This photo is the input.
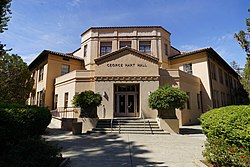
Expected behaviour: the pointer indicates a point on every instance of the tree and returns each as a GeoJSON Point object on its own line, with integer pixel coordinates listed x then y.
{"type": "Point", "coordinates": [4, 18]}
{"type": "Point", "coordinates": [15, 79]}
{"type": "Point", "coordinates": [166, 99]}
{"type": "Point", "coordinates": [243, 38]}
{"type": "Point", "coordinates": [245, 80]}
{"type": "Point", "coordinates": [236, 67]}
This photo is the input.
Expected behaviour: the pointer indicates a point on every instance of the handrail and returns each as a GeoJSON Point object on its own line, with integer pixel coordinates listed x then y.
{"type": "Point", "coordinates": [119, 125]}
{"type": "Point", "coordinates": [142, 115]}
{"type": "Point", "coordinates": [111, 125]}
{"type": "Point", "coordinates": [66, 112]}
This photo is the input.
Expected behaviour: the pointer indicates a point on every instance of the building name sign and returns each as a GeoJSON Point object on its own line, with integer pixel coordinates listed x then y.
{"type": "Point", "coordinates": [126, 65]}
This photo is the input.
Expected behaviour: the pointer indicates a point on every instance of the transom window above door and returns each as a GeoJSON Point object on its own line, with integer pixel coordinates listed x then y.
{"type": "Point", "coordinates": [125, 44]}
{"type": "Point", "coordinates": [105, 47]}
{"type": "Point", "coordinates": [127, 88]}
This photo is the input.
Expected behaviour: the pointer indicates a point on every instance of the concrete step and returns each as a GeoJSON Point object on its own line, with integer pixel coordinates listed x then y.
{"type": "Point", "coordinates": [128, 129]}
{"type": "Point", "coordinates": [129, 132]}
{"type": "Point", "coordinates": [128, 126]}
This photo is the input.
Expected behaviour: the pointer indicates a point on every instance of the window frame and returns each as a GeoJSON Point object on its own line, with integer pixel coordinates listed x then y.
{"type": "Point", "coordinates": [144, 45]}
{"type": "Point", "coordinates": [105, 47]}
{"type": "Point", "coordinates": [221, 78]}
{"type": "Point", "coordinates": [66, 99]}
{"type": "Point", "coordinates": [55, 101]}
{"type": "Point", "coordinates": [85, 50]}
{"type": "Point", "coordinates": [41, 73]}
{"type": "Point", "coordinates": [124, 42]}
{"type": "Point", "coordinates": [198, 101]}
{"type": "Point", "coordinates": [188, 70]}
{"type": "Point", "coordinates": [166, 49]}
{"type": "Point", "coordinates": [213, 71]}
{"type": "Point", "coordinates": [62, 69]}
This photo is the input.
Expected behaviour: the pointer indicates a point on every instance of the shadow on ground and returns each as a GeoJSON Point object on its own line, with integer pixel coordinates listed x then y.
{"type": "Point", "coordinates": [100, 149]}
{"type": "Point", "coordinates": [188, 131]}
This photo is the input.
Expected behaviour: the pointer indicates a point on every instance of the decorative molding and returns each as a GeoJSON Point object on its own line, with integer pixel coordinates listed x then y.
{"type": "Point", "coordinates": [127, 78]}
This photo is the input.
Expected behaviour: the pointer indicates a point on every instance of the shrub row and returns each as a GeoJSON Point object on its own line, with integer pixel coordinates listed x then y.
{"type": "Point", "coordinates": [21, 120]}
{"type": "Point", "coordinates": [228, 136]}
{"type": "Point", "coordinates": [20, 141]}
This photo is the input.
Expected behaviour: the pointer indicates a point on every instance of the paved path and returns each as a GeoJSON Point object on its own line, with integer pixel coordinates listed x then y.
{"type": "Point", "coordinates": [115, 150]}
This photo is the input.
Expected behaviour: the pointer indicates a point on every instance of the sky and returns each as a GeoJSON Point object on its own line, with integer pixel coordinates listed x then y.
{"type": "Point", "coordinates": [56, 25]}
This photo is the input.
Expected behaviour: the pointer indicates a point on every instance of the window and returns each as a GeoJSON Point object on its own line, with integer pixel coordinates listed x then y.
{"type": "Point", "coordinates": [55, 101]}
{"type": "Point", "coordinates": [226, 79]}
{"type": "Point", "coordinates": [220, 76]}
{"type": "Point", "coordinates": [214, 99]}
{"type": "Point", "coordinates": [125, 44]}
{"type": "Point", "coordinates": [188, 68]}
{"type": "Point", "coordinates": [85, 50]}
{"type": "Point", "coordinates": [166, 49]}
{"type": "Point", "coordinates": [230, 81]}
{"type": "Point", "coordinates": [105, 47]}
{"type": "Point", "coordinates": [199, 101]}
{"type": "Point", "coordinates": [228, 99]}
{"type": "Point", "coordinates": [65, 69]}
{"type": "Point", "coordinates": [216, 102]}
{"type": "Point", "coordinates": [188, 101]}
{"type": "Point", "coordinates": [145, 46]}
{"type": "Point", "coordinates": [66, 99]}
{"type": "Point", "coordinates": [41, 71]}
{"type": "Point", "coordinates": [37, 98]}
{"type": "Point", "coordinates": [40, 98]}
{"type": "Point", "coordinates": [213, 71]}
{"type": "Point", "coordinates": [223, 99]}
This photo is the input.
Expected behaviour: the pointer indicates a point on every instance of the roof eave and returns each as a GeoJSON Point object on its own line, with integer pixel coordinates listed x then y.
{"type": "Point", "coordinates": [92, 28]}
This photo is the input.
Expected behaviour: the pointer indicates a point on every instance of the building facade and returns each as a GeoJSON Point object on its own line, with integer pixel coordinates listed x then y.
{"type": "Point", "coordinates": [126, 64]}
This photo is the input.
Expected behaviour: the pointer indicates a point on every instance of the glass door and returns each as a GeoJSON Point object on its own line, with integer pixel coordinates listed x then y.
{"type": "Point", "coordinates": [126, 104]}
{"type": "Point", "coordinates": [121, 106]}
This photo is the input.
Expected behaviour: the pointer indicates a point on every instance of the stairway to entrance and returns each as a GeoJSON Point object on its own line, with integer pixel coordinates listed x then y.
{"type": "Point", "coordinates": [128, 126]}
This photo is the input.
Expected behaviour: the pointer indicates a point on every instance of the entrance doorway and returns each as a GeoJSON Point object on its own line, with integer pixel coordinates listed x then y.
{"type": "Point", "coordinates": [126, 100]}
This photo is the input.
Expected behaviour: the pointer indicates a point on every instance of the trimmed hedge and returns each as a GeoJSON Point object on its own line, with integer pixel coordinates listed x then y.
{"type": "Point", "coordinates": [30, 120]}
{"type": "Point", "coordinates": [228, 135]}
{"type": "Point", "coordinates": [20, 141]}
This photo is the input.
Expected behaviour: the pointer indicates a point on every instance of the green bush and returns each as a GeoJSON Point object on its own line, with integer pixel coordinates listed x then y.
{"type": "Point", "coordinates": [228, 135]}
{"type": "Point", "coordinates": [88, 101]}
{"type": "Point", "coordinates": [31, 120]}
{"type": "Point", "coordinates": [167, 98]}
{"type": "Point", "coordinates": [20, 141]}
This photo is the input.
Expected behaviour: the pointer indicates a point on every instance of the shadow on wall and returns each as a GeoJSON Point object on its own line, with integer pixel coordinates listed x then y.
{"type": "Point", "coordinates": [100, 150]}
{"type": "Point", "coordinates": [206, 100]}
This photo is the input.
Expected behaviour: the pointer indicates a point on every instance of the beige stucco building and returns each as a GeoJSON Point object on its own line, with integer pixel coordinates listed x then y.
{"type": "Point", "coordinates": [126, 64]}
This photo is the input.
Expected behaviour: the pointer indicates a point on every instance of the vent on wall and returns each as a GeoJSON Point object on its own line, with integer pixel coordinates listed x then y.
{"type": "Point", "coordinates": [65, 58]}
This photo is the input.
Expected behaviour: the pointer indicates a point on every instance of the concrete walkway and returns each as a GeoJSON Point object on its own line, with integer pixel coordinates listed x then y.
{"type": "Point", "coordinates": [128, 150]}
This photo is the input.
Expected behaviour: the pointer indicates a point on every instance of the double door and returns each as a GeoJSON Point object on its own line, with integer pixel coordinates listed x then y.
{"type": "Point", "coordinates": [126, 104]}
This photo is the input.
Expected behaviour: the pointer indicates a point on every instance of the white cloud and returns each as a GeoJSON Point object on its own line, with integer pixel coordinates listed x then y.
{"type": "Point", "coordinates": [189, 47]}
{"type": "Point", "coordinates": [29, 57]}
{"type": "Point", "coordinates": [227, 47]}
{"type": "Point", "coordinates": [75, 3]}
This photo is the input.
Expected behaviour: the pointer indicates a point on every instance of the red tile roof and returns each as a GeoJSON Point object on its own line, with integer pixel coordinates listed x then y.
{"type": "Point", "coordinates": [44, 53]}
{"type": "Point", "coordinates": [212, 54]}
